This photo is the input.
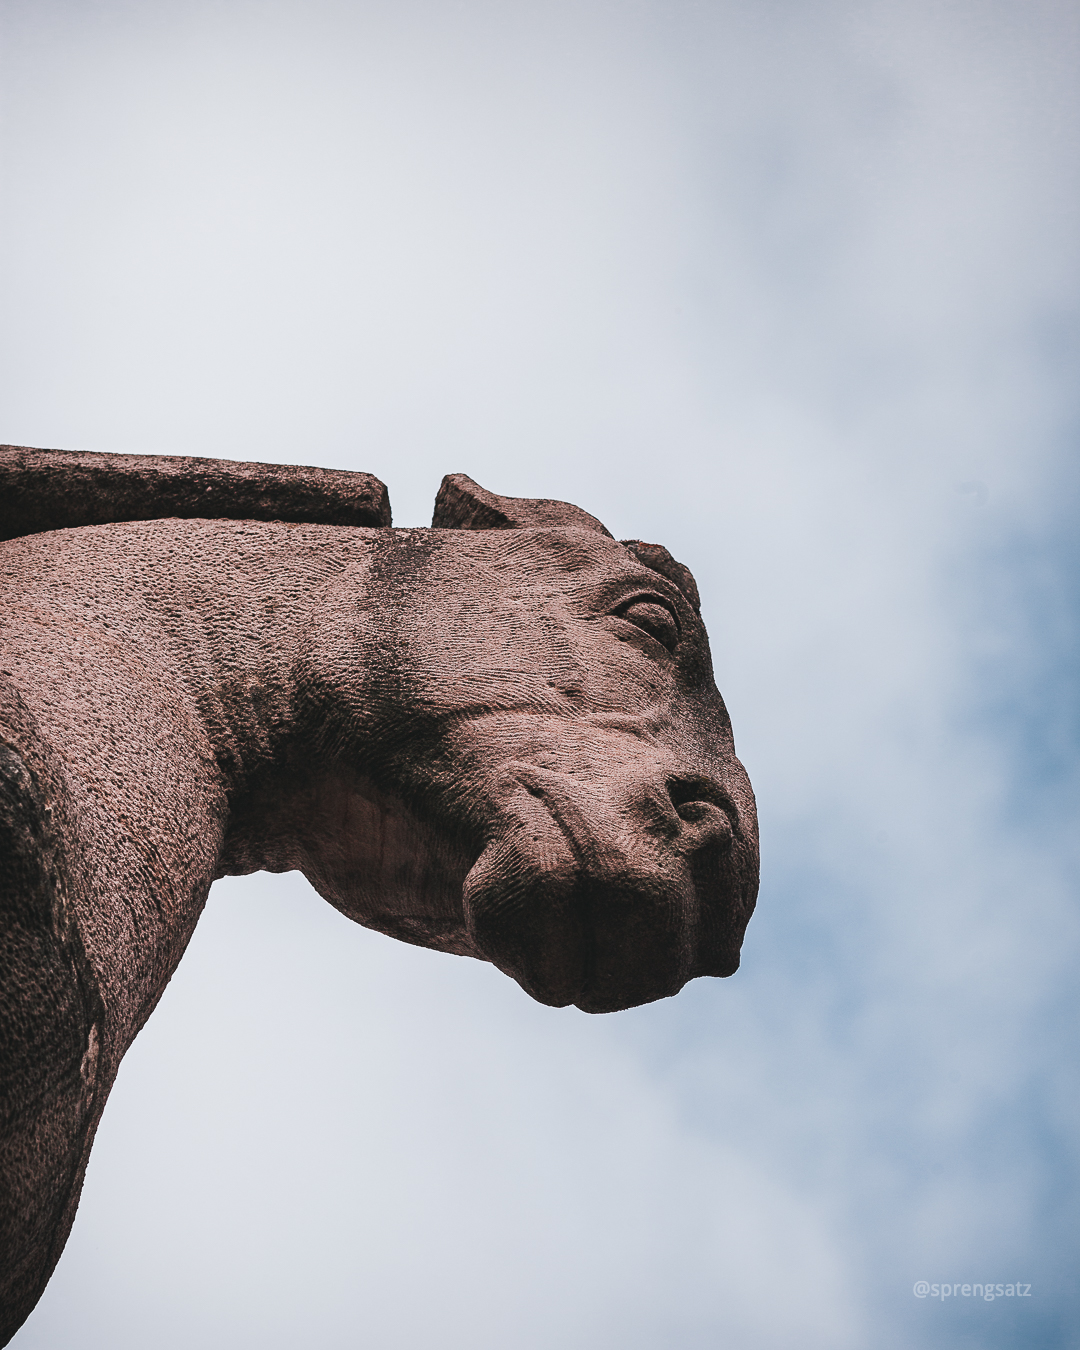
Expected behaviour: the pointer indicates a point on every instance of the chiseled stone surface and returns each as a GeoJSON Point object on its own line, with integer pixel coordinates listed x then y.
{"type": "Point", "coordinates": [498, 737]}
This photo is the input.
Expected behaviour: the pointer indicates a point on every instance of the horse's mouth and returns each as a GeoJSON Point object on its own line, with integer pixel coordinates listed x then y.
{"type": "Point", "coordinates": [579, 907]}
{"type": "Point", "coordinates": [522, 902]}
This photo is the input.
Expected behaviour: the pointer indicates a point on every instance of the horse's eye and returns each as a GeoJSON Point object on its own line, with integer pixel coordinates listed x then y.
{"type": "Point", "coordinates": [653, 617]}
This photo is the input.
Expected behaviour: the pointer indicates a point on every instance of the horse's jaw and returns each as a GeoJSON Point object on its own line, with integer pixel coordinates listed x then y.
{"type": "Point", "coordinates": [364, 850]}
{"type": "Point", "coordinates": [609, 894]}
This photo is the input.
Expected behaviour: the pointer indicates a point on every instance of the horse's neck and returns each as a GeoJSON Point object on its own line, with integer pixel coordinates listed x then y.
{"type": "Point", "coordinates": [172, 666]}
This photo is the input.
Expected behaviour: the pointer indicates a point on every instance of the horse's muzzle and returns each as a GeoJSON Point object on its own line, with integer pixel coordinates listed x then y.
{"type": "Point", "coordinates": [609, 894]}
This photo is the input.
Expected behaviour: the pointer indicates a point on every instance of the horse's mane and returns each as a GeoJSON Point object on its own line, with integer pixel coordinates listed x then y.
{"type": "Point", "coordinates": [57, 489]}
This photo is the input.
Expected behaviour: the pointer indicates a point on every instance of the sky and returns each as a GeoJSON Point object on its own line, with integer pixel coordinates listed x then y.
{"type": "Point", "coordinates": [791, 288]}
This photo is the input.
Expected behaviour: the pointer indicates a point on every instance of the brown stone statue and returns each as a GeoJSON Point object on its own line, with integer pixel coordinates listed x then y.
{"type": "Point", "coordinates": [498, 737]}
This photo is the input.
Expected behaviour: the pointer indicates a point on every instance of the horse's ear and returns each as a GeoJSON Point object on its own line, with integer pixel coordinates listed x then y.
{"type": "Point", "coordinates": [660, 560]}
{"type": "Point", "coordinates": [465, 505]}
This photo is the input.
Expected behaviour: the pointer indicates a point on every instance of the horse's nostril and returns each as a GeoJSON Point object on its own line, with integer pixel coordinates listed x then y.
{"type": "Point", "coordinates": [698, 799]}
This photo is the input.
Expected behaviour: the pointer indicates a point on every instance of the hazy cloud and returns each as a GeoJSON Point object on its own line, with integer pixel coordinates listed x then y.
{"type": "Point", "coordinates": [790, 288]}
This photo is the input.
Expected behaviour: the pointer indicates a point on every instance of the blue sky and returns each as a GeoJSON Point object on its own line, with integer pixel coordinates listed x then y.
{"type": "Point", "coordinates": [791, 288]}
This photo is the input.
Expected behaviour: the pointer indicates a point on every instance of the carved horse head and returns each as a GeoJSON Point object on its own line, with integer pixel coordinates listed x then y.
{"type": "Point", "coordinates": [538, 748]}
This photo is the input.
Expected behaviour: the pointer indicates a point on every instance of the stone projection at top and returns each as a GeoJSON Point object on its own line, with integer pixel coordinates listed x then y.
{"type": "Point", "coordinates": [497, 737]}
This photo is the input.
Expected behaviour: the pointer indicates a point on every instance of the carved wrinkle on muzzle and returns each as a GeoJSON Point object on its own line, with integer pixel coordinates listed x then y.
{"type": "Point", "coordinates": [601, 899]}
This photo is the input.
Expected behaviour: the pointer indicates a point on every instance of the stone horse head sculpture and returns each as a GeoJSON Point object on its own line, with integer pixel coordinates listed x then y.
{"type": "Point", "coordinates": [498, 737]}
